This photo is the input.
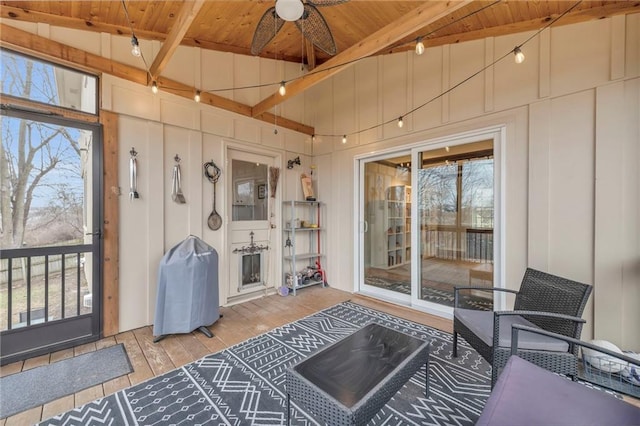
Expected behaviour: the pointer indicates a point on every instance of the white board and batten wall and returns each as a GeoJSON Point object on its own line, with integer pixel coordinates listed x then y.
{"type": "Point", "coordinates": [570, 113]}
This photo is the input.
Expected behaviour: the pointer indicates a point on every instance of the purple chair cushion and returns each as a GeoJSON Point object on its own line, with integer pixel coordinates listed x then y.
{"type": "Point", "coordinates": [526, 394]}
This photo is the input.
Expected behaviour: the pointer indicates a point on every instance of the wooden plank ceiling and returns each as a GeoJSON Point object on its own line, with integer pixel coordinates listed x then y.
{"type": "Point", "coordinates": [360, 28]}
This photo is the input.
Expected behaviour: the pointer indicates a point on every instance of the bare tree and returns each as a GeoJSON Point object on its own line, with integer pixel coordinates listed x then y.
{"type": "Point", "coordinates": [31, 149]}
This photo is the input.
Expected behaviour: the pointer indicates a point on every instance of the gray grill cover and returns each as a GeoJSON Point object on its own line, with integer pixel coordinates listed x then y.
{"type": "Point", "coordinates": [187, 288]}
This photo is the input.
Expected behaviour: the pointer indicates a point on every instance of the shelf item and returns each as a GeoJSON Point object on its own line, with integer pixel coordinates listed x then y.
{"type": "Point", "coordinates": [303, 236]}
{"type": "Point", "coordinates": [391, 230]}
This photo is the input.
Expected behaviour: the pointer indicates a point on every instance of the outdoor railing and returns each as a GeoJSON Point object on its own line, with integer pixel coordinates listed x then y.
{"type": "Point", "coordinates": [42, 284]}
{"type": "Point", "coordinates": [451, 243]}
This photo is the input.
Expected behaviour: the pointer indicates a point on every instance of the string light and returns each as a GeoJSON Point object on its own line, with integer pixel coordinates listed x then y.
{"type": "Point", "coordinates": [400, 122]}
{"type": "Point", "coordinates": [419, 46]}
{"type": "Point", "coordinates": [196, 97]}
{"type": "Point", "coordinates": [313, 138]}
{"type": "Point", "coordinates": [519, 56]}
{"type": "Point", "coordinates": [135, 50]}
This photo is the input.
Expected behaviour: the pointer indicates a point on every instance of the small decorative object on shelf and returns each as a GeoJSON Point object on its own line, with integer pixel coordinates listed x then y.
{"type": "Point", "coordinates": [307, 188]}
{"type": "Point", "coordinates": [303, 236]}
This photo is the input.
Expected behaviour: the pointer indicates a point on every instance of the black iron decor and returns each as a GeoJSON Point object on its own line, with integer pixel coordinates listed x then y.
{"type": "Point", "coordinates": [252, 247]}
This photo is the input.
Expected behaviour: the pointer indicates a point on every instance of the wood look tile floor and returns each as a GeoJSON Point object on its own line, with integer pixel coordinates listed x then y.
{"type": "Point", "coordinates": [239, 323]}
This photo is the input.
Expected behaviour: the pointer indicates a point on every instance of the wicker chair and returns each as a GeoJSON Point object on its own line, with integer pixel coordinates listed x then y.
{"type": "Point", "coordinates": [544, 301]}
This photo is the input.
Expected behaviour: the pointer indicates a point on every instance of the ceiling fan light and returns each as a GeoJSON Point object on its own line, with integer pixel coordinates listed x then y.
{"type": "Point", "coordinates": [289, 10]}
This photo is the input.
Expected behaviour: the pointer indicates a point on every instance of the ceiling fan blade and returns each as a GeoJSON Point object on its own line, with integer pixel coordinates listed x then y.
{"type": "Point", "coordinates": [267, 28]}
{"type": "Point", "coordinates": [313, 26]}
{"type": "Point", "coordinates": [318, 3]}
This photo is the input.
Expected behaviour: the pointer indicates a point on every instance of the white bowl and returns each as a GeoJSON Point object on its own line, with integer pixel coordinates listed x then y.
{"type": "Point", "coordinates": [604, 362]}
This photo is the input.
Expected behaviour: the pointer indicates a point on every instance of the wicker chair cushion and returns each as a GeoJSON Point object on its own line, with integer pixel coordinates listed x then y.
{"type": "Point", "coordinates": [481, 324]}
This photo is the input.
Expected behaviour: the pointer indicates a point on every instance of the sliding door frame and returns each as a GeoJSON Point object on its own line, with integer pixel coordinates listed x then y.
{"type": "Point", "coordinates": [495, 133]}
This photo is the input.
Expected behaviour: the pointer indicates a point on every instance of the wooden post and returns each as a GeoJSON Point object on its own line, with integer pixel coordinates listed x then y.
{"type": "Point", "coordinates": [111, 203]}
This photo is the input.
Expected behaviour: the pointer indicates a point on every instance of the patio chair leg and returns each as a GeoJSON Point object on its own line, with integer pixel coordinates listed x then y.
{"type": "Point", "coordinates": [494, 376]}
{"type": "Point", "coordinates": [288, 409]}
{"type": "Point", "coordinates": [455, 344]}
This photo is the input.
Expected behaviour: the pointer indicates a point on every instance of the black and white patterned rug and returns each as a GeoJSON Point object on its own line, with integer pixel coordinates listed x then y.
{"type": "Point", "coordinates": [432, 294]}
{"type": "Point", "coordinates": [244, 384]}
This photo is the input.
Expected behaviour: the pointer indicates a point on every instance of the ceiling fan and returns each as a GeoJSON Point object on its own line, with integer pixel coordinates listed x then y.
{"type": "Point", "coordinates": [305, 15]}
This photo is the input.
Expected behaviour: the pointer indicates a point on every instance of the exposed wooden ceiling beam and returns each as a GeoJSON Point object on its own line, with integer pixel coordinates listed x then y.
{"type": "Point", "coordinates": [418, 18]}
{"type": "Point", "coordinates": [30, 43]}
{"type": "Point", "coordinates": [187, 14]}
{"type": "Point", "coordinates": [34, 44]}
{"type": "Point", "coordinates": [311, 54]}
{"type": "Point", "coordinates": [573, 17]}
{"type": "Point", "coordinates": [25, 15]}
{"type": "Point", "coordinates": [186, 91]}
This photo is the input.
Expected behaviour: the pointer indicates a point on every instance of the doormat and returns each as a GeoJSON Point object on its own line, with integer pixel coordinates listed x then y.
{"type": "Point", "coordinates": [31, 388]}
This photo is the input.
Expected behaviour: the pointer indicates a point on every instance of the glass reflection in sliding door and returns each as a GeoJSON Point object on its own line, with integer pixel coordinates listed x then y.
{"type": "Point", "coordinates": [387, 214]}
{"type": "Point", "coordinates": [455, 217]}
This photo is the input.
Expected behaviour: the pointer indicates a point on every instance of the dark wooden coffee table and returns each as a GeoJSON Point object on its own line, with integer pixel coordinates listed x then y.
{"type": "Point", "coordinates": [348, 382]}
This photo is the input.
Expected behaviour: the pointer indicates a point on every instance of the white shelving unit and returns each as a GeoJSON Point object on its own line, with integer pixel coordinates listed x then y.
{"type": "Point", "coordinates": [392, 236]}
{"type": "Point", "coordinates": [303, 237]}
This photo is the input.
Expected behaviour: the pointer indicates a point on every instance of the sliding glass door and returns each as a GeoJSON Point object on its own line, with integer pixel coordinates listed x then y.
{"type": "Point", "coordinates": [386, 205]}
{"type": "Point", "coordinates": [427, 225]}
{"type": "Point", "coordinates": [455, 216]}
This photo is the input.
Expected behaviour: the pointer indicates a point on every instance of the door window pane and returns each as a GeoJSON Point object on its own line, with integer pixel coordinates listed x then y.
{"type": "Point", "coordinates": [437, 186]}
{"type": "Point", "coordinates": [477, 193]}
{"type": "Point", "coordinates": [387, 242]}
{"type": "Point", "coordinates": [455, 217]}
{"type": "Point", "coordinates": [47, 198]}
{"type": "Point", "coordinates": [250, 197]}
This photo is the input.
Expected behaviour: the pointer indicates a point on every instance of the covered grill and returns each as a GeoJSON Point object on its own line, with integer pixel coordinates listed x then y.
{"type": "Point", "coordinates": [188, 296]}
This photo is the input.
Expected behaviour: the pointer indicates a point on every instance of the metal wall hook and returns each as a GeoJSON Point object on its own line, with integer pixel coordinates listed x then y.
{"type": "Point", "coordinates": [290, 163]}
{"type": "Point", "coordinates": [133, 152]}
{"type": "Point", "coordinates": [176, 159]}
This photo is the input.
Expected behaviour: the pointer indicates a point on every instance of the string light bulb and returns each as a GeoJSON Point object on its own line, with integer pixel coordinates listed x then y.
{"type": "Point", "coordinates": [400, 122]}
{"type": "Point", "coordinates": [419, 46]}
{"type": "Point", "coordinates": [344, 139]}
{"type": "Point", "coordinates": [282, 90]}
{"type": "Point", "coordinates": [196, 97]}
{"type": "Point", "coordinates": [135, 49]}
{"type": "Point", "coordinates": [154, 87]}
{"type": "Point", "coordinates": [519, 56]}
{"type": "Point", "coordinates": [313, 138]}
